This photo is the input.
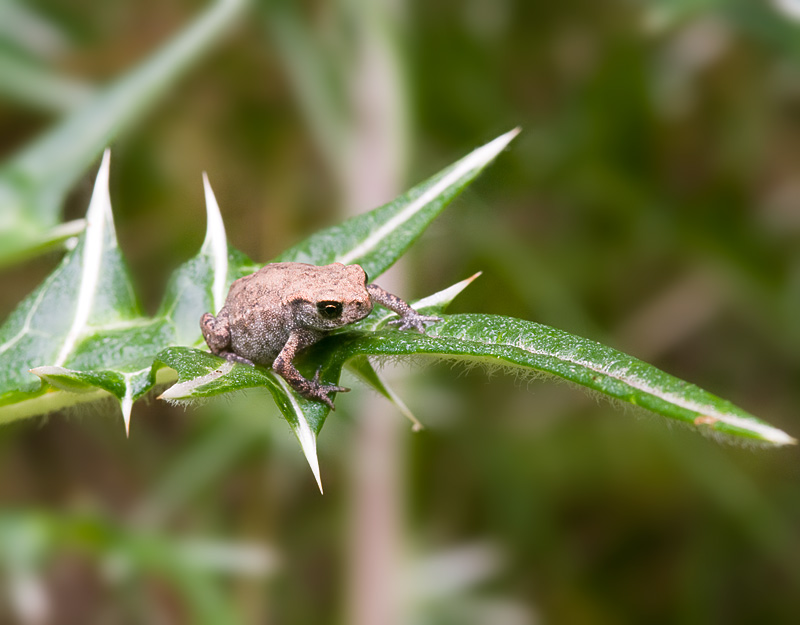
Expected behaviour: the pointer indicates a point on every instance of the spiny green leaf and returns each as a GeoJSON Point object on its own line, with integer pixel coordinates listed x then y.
{"type": "Point", "coordinates": [82, 330]}
{"type": "Point", "coordinates": [89, 291]}
{"type": "Point", "coordinates": [526, 345]}
{"type": "Point", "coordinates": [494, 341]}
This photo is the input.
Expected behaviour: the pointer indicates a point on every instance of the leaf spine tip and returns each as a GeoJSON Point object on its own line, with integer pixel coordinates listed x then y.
{"type": "Point", "coordinates": [126, 403]}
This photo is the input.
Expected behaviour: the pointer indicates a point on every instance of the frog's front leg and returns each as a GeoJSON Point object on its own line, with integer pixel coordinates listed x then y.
{"type": "Point", "coordinates": [284, 367]}
{"type": "Point", "coordinates": [216, 332]}
{"type": "Point", "coordinates": [409, 318]}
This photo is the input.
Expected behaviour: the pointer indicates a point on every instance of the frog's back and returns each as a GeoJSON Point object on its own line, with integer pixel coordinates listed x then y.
{"type": "Point", "coordinates": [259, 312]}
{"type": "Point", "coordinates": [272, 283]}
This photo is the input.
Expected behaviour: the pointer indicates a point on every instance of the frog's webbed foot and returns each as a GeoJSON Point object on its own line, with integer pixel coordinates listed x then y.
{"type": "Point", "coordinates": [314, 389]}
{"type": "Point", "coordinates": [414, 321]}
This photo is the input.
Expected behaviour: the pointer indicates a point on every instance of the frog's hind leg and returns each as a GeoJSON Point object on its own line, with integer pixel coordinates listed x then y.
{"type": "Point", "coordinates": [310, 389]}
{"type": "Point", "coordinates": [217, 334]}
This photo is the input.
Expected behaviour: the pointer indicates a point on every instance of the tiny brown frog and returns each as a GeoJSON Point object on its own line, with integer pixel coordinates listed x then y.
{"type": "Point", "coordinates": [283, 308]}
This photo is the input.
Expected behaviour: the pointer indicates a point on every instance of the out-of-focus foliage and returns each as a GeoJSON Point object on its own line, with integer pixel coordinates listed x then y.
{"type": "Point", "coordinates": [35, 181]}
{"type": "Point", "coordinates": [651, 204]}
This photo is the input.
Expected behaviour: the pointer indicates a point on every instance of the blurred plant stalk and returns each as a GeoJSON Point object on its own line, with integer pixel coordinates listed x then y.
{"type": "Point", "coordinates": [374, 173]}
{"type": "Point", "coordinates": [360, 126]}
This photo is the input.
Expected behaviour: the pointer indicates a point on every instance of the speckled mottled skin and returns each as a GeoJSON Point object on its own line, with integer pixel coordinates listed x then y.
{"type": "Point", "coordinates": [283, 308]}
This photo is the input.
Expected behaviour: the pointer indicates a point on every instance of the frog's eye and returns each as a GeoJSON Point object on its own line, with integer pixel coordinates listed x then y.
{"type": "Point", "coordinates": [329, 310]}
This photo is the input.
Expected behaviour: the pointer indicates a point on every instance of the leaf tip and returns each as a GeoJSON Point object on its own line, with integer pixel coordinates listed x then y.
{"type": "Point", "coordinates": [211, 201]}
{"type": "Point", "coordinates": [484, 154]}
{"type": "Point", "coordinates": [781, 438]}
{"type": "Point", "coordinates": [215, 244]}
{"type": "Point", "coordinates": [308, 443]}
{"type": "Point", "coordinates": [763, 431]}
{"type": "Point", "coordinates": [103, 172]}
{"type": "Point", "coordinates": [100, 202]}
{"type": "Point", "coordinates": [49, 373]}
{"type": "Point", "coordinates": [442, 299]}
{"type": "Point", "coordinates": [416, 425]}
{"type": "Point", "coordinates": [186, 390]}
{"type": "Point", "coordinates": [503, 140]}
{"type": "Point", "coordinates": [105, 164]}
{"type": "Point", "coordinates": [126, 403]}
{"type": "Point", "coordinates": [770, 434]}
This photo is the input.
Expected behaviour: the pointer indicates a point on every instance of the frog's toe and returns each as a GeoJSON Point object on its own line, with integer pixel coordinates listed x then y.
{"type": "Point", "coordinates": [320, 393]}
{"type": "Point", "coordinates": [236, 358]}
{"type": "Point", "coordinates": [414, 322]}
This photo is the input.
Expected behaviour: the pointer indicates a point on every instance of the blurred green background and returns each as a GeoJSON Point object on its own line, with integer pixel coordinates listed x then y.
{"type": "Point", "coordinates": [652, 202]}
